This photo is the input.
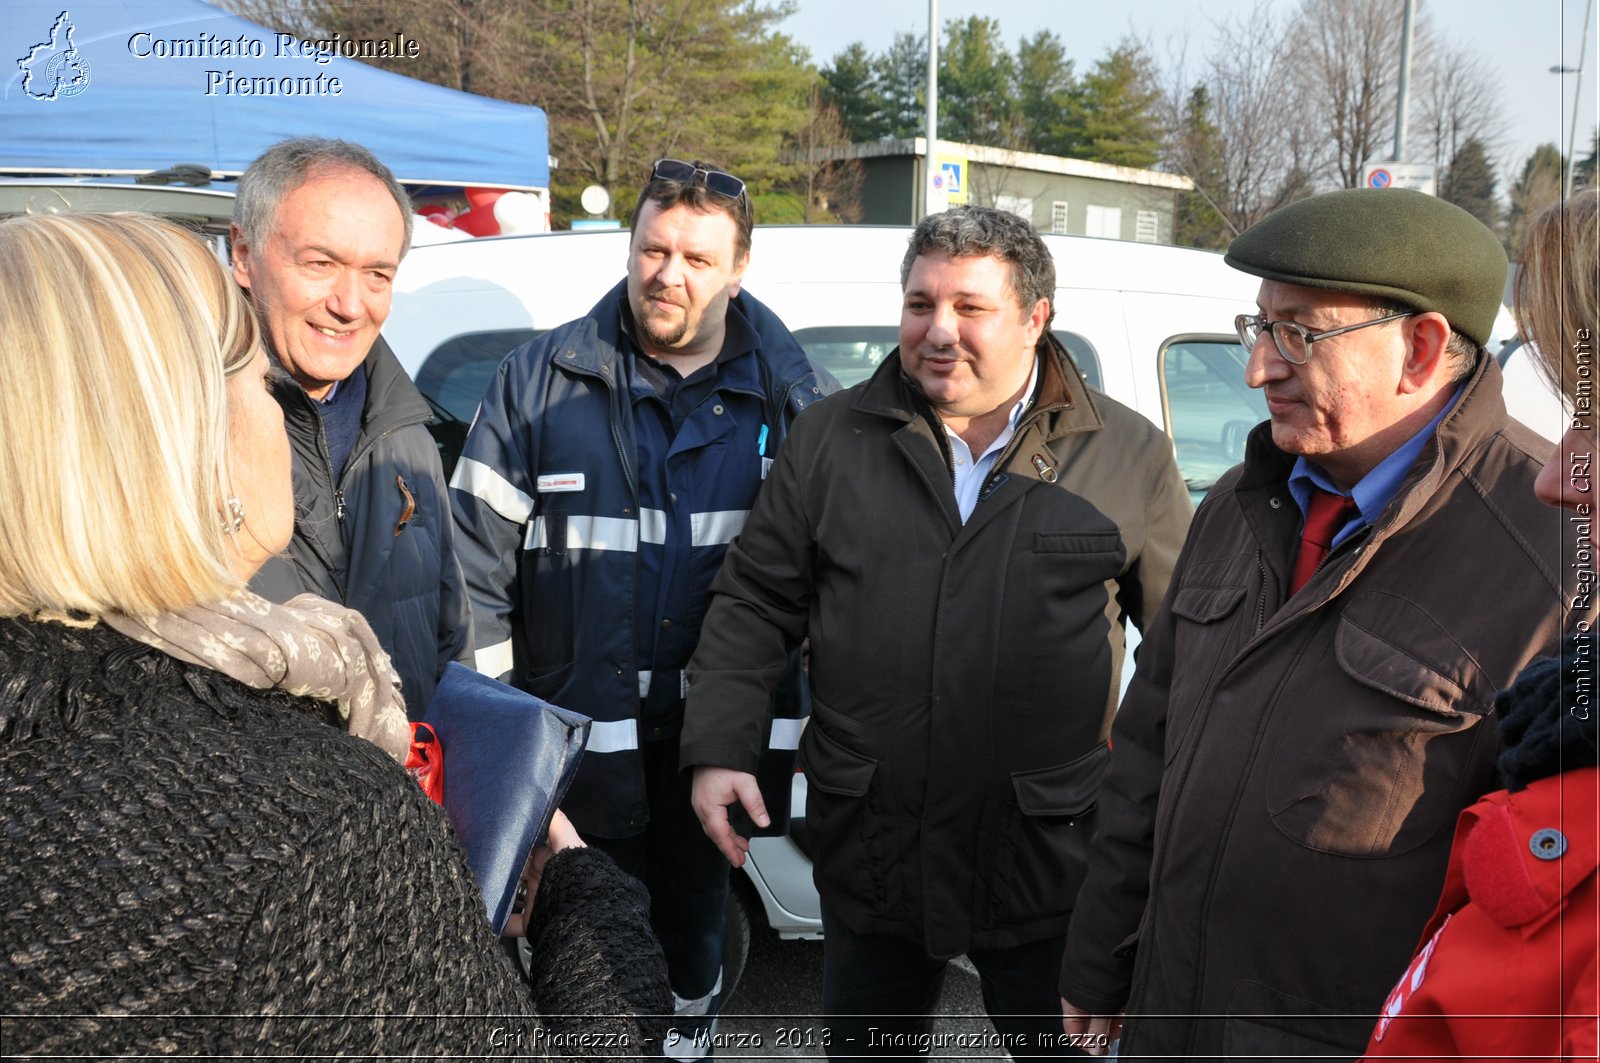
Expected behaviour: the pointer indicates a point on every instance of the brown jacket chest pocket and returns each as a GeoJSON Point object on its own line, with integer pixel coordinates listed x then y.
{"type": "Point", "coordinates": [1201, 627]}
{"type": "Point", "coordinates": [1378, 744]}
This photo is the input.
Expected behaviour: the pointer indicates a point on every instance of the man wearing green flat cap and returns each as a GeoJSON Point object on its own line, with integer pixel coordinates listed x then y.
{"type": "Point", "coordinates": [1314, 701]}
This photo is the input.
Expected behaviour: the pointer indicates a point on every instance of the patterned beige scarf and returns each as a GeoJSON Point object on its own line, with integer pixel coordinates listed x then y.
{"type": "Point", "coordinates": [309, 647]}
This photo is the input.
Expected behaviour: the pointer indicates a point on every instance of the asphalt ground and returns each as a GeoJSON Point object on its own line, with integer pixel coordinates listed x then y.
{"type": "Point", "coordinates": [774, 1011]}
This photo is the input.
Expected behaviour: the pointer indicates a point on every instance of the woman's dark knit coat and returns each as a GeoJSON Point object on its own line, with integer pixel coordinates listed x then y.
{"type": "Point", "coordinates": [194, 867]}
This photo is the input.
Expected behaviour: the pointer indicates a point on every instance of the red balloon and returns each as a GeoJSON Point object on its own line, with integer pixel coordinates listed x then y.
{"type": "Point", "coordinates": [478, 223]}
{"type": "Point", "coordinates": [480, 219]}
{"type": "Point", "coordinates": [483, 198]}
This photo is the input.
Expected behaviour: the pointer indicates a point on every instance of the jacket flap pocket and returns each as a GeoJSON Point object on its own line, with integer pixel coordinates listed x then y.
{"type": "Point", "coordinates": [1107, 542]}
{"type": "Point", "coordinates": [1376, 662]}
{"type": "Point", "coordinates": [1068, 789]}
{"type": "Point", "coordinates": [832, 767]}
{"type": "Point", "coordinates": [1264, 1023]}
{"type": "Point", "coordinates": [1206, 605]}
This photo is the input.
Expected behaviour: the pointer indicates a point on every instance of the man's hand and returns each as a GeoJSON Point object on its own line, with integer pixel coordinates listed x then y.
{"type": "Point", "coordinates": [714, 790]}
{"type": "Point", "coordinates": [563, 835]}
{"type": "Point", "coordinates": [1092, 1033]}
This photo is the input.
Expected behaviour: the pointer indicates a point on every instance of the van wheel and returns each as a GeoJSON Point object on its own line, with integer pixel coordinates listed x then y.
{"type": "Point", "coordinates": [735, 943]}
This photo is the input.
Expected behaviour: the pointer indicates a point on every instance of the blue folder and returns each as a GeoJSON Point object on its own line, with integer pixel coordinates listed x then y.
{"type": "Point", "coordinates": [508, 760]}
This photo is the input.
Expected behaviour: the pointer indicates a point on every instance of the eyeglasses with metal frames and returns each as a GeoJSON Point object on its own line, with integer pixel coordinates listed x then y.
{"type": "Point", "coordinates": [720, 182]}
{"type": "Point", "coordinates": [1292, 339]}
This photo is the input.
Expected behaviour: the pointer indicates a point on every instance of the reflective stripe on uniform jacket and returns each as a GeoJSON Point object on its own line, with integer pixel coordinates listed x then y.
{"type": "Point", "coordinates": [547, 510]}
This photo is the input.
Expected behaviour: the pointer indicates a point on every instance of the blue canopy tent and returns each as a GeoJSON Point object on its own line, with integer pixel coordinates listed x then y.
{"type": "Point", "coordinates": [131, 86]}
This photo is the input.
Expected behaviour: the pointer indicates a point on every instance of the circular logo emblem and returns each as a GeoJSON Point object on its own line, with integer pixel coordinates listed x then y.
{"type": "Point", "coordinates": [68, 73]}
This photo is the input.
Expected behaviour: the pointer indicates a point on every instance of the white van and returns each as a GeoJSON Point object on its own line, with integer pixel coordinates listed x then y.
{"type": "Point", "coordinates": [1150, 325]}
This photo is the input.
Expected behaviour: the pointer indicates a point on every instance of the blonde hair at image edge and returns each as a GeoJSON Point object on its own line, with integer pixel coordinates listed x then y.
{"type": "Point", "coordinates": [117, 332]}
{"type": "Point", "coordinates": [1558, 290]}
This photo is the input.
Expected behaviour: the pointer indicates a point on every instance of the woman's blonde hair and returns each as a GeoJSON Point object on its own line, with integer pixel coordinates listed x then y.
{"type": "Point", "coordinates": [117, 334]}
{"type": "Point", "coordinates": [1558, 295]}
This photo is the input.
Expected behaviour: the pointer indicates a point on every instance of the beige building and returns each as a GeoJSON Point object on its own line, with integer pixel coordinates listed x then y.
{"type": "Point", "coordinates": [1059, 195]}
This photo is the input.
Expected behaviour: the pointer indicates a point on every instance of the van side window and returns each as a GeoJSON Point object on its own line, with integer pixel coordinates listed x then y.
{"type": "Point", "coordinates": [1083, 353]}
{"type": "Point", "coordinates": [1208, 407]}
{"type": "Point", "coordinates": [851, 353]}
{"type": "Point", "coordinates": [458, 370]}
{"type": "Point", "coordinates": [452, 379]}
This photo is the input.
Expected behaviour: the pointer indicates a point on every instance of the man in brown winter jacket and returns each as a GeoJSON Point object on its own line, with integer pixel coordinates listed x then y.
{"type": "Point", "coordinates": [1313, 704]}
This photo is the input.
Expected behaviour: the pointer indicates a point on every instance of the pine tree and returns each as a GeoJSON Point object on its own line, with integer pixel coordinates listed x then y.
{"type": "Point", "coordinates": [1043, 90]}
{"type": "Point", "coordinates": [1538, 186]}
{"type": "Point", "coordinates": [1113, 117]}
{"type": "Point", "coordinates": [902, 77]}
{"type": "Point", "coordinates": [1469, 183]}
{"type": "Point", "coordinates": [976, 75]}
{"type": "Point", "coordinates": [1198, 154]}
{"type": "Point", "coordinates": [850, 83]}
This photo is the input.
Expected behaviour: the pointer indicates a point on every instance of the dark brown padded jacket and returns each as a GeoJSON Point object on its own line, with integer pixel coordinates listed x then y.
{"type": "Point", "coordinates": [1275, 822]}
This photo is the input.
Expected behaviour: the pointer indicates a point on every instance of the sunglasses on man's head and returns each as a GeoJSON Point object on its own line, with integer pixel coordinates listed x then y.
{"type": "Point", "coordinates": [718, 182]}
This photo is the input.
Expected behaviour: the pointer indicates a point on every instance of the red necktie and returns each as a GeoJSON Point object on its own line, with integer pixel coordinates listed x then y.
{"type": "Point", "coordinates": [1326, 515]}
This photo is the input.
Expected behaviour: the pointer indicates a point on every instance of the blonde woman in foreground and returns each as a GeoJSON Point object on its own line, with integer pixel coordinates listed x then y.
{"type": "Point", "coordinates": [195, 861]}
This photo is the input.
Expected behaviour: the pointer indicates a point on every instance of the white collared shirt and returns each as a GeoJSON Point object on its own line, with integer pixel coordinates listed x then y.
{"type": "Point", "coordinates": [969, 472]}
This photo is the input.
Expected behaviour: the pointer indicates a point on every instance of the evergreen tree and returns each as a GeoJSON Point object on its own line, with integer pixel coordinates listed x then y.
{"type": "Point", "coordinates": [1469, 183]}
{"type": "Point", "coordinates": [1113, 116]}
{"type": "Point", "coordinates": [1198, 153]}
{"type": "Point", "coordinates": [1538, 186]}
{"type": "Point", "coordinates": [902, 78]}
{"type": "Point", "coordinates": [976, 74]}
{"type": "Point", "coordinates": [1583, 173]}
{"type": "Point", "coordinates": [1043, 89]}
{"type": "Point", "coordinates": [850, 83]}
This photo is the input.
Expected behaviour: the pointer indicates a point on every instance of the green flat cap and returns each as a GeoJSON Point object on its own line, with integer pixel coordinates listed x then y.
{"type": "Point", "coordinates": [1390, 242]}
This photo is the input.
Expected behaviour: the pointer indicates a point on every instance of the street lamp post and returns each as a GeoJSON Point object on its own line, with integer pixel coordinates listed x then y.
{"type": "Point", "coordinates": [1577, 96]}
{"type": "Point", "coordinates": [1403, 90]}
{"type": "Point", "coordinates": [930, 169]}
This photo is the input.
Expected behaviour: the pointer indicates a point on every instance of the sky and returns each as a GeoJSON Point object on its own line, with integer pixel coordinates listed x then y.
{"type": "Point", "coordinates": [1521, 38]}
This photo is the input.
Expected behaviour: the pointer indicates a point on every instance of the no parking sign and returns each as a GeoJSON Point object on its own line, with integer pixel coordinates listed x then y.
{"type": "Point", "coordinates": [1414, 175]}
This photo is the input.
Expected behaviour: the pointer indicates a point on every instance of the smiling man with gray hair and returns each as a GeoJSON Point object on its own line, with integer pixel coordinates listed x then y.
{"type": "Point", "coordinates": [319, 228]}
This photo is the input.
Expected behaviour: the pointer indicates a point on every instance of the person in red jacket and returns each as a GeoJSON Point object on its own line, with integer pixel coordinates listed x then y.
{"type": "Point", "coordinates": [1507, 966]}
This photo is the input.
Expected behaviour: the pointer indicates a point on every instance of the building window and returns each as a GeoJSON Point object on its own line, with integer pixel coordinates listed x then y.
{"type": "Point", "coordinates": [1147, 227]}
{"type": "Point", "coordinates": [1103, 221]}
{"type": "Point", "coordinates": [1021, 206]}
{"type": "Point", "coordinates": [1058, 217]}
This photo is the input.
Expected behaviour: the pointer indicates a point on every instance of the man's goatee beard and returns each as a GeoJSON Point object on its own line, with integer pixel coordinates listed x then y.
{"type": "Point", "coordinates": [657, 338]}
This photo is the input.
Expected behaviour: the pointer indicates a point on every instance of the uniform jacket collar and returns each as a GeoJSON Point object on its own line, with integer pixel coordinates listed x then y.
{"type": "Point", "coordinates": [782, 354]}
